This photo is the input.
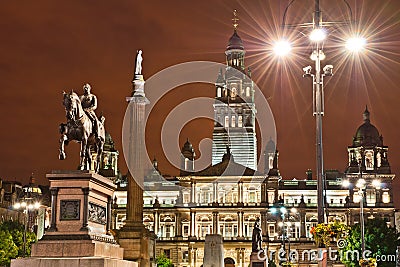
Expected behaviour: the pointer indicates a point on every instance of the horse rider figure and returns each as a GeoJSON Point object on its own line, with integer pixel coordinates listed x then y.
{"type": "Point", "coordinates": [89, 105]}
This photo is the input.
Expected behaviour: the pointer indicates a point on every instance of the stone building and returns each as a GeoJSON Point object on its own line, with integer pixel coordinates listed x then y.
{"type": "Point", "coordinates": [230, 195]}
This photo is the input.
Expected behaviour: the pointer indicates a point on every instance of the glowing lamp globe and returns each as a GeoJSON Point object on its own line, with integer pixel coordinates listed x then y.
{"type": "Point", "coordinates": [282, 48]}
{"type": "Point", "coordinates": [356, 44]}
{"type": "Point", "coordinates": [318, 35]}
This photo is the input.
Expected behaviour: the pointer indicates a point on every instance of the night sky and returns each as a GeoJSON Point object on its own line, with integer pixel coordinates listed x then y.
{"type": "Point", "coordinates": [50, 46]}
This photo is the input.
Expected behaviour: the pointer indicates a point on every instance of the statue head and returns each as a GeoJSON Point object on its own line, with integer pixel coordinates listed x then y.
{"type": "Point", "coordinates": [86, 88]}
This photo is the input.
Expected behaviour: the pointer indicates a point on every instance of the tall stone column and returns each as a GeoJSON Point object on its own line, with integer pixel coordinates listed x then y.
{"type": "Point", "coordinates": [136, 240]}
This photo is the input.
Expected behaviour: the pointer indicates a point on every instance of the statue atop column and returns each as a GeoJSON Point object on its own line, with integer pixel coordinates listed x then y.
{"type": "Point", "coordinates": [256, 238]}
{"type": "Point", "coordinates": [138, 81]}
{"type": "Point", "coordinates": [138, 66]}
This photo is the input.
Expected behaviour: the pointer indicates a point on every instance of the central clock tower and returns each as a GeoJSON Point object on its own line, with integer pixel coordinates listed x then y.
{"type": "Point", "coordinates": [234, 109]}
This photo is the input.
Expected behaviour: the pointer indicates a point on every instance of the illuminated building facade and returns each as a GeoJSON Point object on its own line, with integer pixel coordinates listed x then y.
{"type": "Point", "coordinates": [230, 195]}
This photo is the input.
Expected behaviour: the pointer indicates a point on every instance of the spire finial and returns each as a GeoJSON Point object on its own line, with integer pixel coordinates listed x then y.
{"type": "Point", "coordinates": [366, 114]}
{"type": "Point", "coordinates": [235, 20]}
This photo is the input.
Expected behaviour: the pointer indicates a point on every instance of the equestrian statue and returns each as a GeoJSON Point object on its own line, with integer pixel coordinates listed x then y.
{"type": "Point", "coordinates": [83, 126]}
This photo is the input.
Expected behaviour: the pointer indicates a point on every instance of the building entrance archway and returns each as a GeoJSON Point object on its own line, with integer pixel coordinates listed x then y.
{"type": "Point", "coordinates": [229, 262]}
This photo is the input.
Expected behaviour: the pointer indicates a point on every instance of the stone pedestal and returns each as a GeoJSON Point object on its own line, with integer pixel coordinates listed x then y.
{"type": "Point", "coordinates": [80, 223]}
{"type": "Point", "coordinates": [138, 243]}
{"type": "Point", "coordinates": [258, 259]}
{"type": "Point", "coordinates": [213, 251]}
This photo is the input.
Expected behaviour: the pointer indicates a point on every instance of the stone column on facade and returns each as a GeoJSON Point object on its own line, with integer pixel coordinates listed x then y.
{"type": "Point", "coordinates": [86, 191]}
{"type": "Point", "coordinates": [178, 224]}
{"type": "Point", "coordinates": [190, 256]}
{"type": "Point", "coordinates": [53, 224]}
{"type": "Point", "coordinates": [195, 257]}
{"type": "Point", "coordinates": [238, 254]}
{"type": "Point", "coordinates": [193, 193]}
{"type": "Point", "coordinates": [215, 219]}
{"type": "Point", "coordinates": [264, 194]}
{"type": "Point", "coordinates": [240, 191]}
{"type": "Point", "coordinates": [243, 250]}
{"type": "Point", "coordinates": [240, 230]}
{"type": "Point", "coordinates": [242, 222]}
{"type": "Point", "coordinates": [215, 192]}
{"type": "Point", "coordinates": [192, 223]}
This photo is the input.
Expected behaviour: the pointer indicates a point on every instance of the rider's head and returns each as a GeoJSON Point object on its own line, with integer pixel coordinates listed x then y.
{"type": "Point", "coordinates": [86, 88]}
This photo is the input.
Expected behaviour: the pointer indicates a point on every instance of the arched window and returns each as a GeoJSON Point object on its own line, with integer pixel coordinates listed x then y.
{"type": "Point", "coordinates": [240, 121]}
{"type": "Point", "coordinates": [248, 91]}
{"type": "Point", "coordinates": [186, 164]}
{"type": "Point", "coordinates": [233, 92]}
{"type": "Point", "coordinates": [385, 197]}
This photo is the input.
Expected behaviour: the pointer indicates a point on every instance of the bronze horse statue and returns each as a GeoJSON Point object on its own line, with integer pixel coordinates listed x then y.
{"type": "Point", "coordinates": [80, 128]}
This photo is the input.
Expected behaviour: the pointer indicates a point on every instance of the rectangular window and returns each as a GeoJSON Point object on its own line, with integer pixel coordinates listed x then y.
{"type": "Point", "coordinates": [240, 121]}
{"type": "Point", "coordinates": [233, 121]}
{"type": "Point", "coordinates": [185, 230]}
{"type": "Point", "coordinates": [186, 197]}
{"type": "Point", "coordinates": [271, 230]}
{"type": "Point", "coordinates": [167, 253]}
{"type": "Point", "coordinates": [371, 196]}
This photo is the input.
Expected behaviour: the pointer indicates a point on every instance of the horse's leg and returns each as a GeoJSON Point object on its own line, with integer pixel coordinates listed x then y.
{"type": "Point", "coordinates": [62, 155]}
{"type": "Point", "coordinates": [88, 158]}
{"type": "Point", "coordinates": [100, 144]}
{"type": "Point", "coordinates": [83, 154]}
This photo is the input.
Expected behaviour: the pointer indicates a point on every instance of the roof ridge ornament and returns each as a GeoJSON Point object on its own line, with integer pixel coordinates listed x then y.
{"type": "Point", "coordinates": [366, 114]}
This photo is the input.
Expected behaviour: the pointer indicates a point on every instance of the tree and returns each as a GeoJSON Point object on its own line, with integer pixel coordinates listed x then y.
{"type": "Point", "coordinates": [163, 261]}
{"type": "Point", "coordinates": [16, 230]}
{"type": "Point", "coordinates": [380, 240]}
{"type": "Point", "coordinates": [8, 249]}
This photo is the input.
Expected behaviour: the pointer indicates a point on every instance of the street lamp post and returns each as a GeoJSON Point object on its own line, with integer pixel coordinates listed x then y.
{"type": "Point", "coordinates": [285, 222]}
{"type": "Point", "coordinates": [26, 205]}
{"type": "Point", "coordinates": [362, 185]}
{"type": "Point", "coordinates": [317, 37]}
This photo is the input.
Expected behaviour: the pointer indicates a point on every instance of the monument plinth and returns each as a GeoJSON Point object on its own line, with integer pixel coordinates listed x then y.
{"type": "Point", "coordinates": [80, 223]}
{"type": "Point", "coordinates": [258, 259]}
{"type": "Point", "coordinates": [213, 251]}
